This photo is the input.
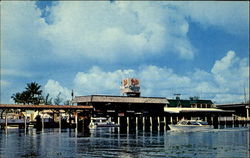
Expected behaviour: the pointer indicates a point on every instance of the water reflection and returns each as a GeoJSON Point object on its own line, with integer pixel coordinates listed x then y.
{"type": "Point", "coordinates": [112, 142]}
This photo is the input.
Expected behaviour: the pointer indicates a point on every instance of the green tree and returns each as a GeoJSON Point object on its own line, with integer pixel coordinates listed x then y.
{"type": "Point", "coordinates": [67, 102]}
{"type": "Point", "coordinates": [47, 100]}
{"type": "Point", "coordinates": [21, 98]}
{"type": "Point", "coordinates": [58, 99]}
{"type": "Point", "coordinates": [32, 95]}
{"type": "Point", "coordinates": [17, 98]}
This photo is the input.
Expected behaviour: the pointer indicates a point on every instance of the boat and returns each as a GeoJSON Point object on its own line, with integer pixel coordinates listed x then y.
{"type": "Point", "coordinates": [190, 125]}
{"type": "Point", "coordinates": [102, 122]}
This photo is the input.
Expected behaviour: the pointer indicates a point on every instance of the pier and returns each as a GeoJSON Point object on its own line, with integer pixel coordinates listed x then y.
{"type": "Point", "coordinates": [78, 112]}
{"type": "Point", "coordinates": [131, 113]}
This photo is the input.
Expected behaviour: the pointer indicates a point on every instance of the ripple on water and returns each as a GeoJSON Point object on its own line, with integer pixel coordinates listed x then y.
{"type": "Point", "coordinates": [231, 142]}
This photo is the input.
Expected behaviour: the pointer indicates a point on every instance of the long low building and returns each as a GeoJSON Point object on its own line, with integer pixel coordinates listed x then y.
{"type": "Point", "coordinates": [194, 107]}
{"type": "Point", "coordinates": [123, 105]}
{"type": "Point", "coordinates": [241, 109]}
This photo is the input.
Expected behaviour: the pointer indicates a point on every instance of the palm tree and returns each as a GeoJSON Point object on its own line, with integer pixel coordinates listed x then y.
{"type": "Point", "coordinates": [16, 97]}
{"type": "Point", "coordinates": [32, 94]}
{"type": "Point", "coordinates": [23, 97]}
{"type": "Point", "coordinates": [34, 91]}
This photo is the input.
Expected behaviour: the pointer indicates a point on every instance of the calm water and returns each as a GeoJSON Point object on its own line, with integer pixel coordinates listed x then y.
{"type": "Point", "coordinates": [107, 142]}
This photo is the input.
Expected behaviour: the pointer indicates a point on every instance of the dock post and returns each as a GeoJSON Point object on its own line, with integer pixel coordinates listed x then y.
{"type": "Point", "coordinates": [225, 121]}
{"type": "Point", "coordinates": [119, 120]}
{"type": "Point", "coordinates": [128, 124]}
{"type": "Point", "coordinates": [143, 123]}
{"type": "Point", "coordinates": [158, 123]}
{"type": "Point", "coordinates": [6, 120]}
{"type": "Point", "coordinates": [151, 123]}
{"type": "Point", "coordinates": [216, 121]}
{"type": "Point", "coordinates": [136, 123]}
{"type": "Point", "coordinates": [25, 121]}
{"type": "Point", "coordinates": [165, 124]}
{"type": "Point", "coordinates": [171, 119]}
{"type": "Point", "coordinates": [76, 120]}
{"type": "Point", "coordinates": [248, 113]}
{"type": "Point", "coordinates": [42, 121]}
{"type": "Point", "coordinates": [60, 120]}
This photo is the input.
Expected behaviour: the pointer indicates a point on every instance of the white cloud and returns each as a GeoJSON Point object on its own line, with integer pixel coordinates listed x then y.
{"type": "Point", "coordinates": [20, 24]}
{"type": "Point", "coordinates": [100, 82]}
{"type": "Point", "coordinates": [122, 32]}
{"type": "Point", "coordinates": [233, 17]}
{"type": "Point", "coordinates": [109, 32]}
{"type": "Point", "coordinates": [224, 63]}
{"type": "Point", "coordinates": [53, 88]}
{"type": "Point", "coordinates": [231, 73]}
{"type": "Point", "coordinates": [158, 81]}
{"type": "Point", "coordinates": [104, 30]}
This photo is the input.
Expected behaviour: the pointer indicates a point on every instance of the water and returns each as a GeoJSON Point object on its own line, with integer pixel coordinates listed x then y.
{"type": "Point", "coordinates": [108, 142]}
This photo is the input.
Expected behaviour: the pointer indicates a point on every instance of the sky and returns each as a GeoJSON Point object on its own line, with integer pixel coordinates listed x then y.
{"type": "Point", "coordinates": [192, 48]}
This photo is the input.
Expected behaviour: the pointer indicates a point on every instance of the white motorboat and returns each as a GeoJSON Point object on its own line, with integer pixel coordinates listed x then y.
{"type": "Point", "coordinates": [102, 122]}
{"type": "Point", "coordinates": [190, 125]}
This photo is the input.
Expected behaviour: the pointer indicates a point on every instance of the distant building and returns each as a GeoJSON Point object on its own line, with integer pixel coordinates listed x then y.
{"type": "Point", "coordinates": [241, 109]}
{"type": "Point", "coordinates": [191, 103]}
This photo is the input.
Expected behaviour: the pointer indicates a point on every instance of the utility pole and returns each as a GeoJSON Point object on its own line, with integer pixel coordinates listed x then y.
{"type": "Point", "coordinates": [245, 96]}
{"type": "Point", "coordinates": [72, 96]}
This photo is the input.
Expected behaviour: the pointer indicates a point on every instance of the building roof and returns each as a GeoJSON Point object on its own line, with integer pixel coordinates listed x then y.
{"type": "Point", "coordinates": [186, 103]}
{"type": "Point", "coordinates": [175, 103]}
{"type": "Point", "coordinates": [201, 102]}
{"type": "Point", "coordinates": [119, 99]}
{"type": "Point", "coordinates": [236, 105]}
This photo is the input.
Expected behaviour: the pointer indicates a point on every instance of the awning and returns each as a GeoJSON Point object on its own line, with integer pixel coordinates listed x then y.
{"type": "Point", "coordinates": [188, 110]}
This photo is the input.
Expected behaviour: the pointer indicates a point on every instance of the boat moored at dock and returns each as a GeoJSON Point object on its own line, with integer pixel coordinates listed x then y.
{"type": "Point", "coordinates": [102, 122]}
{"type": "Point", "coordinates": [190, 125]}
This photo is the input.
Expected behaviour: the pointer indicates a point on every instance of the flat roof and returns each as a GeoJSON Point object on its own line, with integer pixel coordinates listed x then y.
{"type": "Point", "coordinates": [186, 110]}
{"type": "Point", "coordinates": [232, 105]}
{"type": "Point", "coordinates": [119, 99]}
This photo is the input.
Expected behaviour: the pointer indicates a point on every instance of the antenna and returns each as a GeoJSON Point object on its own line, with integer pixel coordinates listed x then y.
{"type": "Point", "coordinates": [177, 96]}
{"type": "Point", "coordinates": [245, 96]}
{"type": "Point", "coordinates": [72, 96]}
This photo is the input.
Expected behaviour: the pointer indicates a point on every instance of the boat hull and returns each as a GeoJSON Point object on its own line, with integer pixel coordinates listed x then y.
{"type": "Point", "coordinates": [107, 125]}
{"type": "Point", "coordinates": [189, 128]}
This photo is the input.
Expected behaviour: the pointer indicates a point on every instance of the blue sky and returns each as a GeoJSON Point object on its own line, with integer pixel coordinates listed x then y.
{"type": "Point", "coordinates": [192, 48]}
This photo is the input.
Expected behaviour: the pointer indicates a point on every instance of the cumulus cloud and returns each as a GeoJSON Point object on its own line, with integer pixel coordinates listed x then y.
{"type": "Point", "coordinates": [109, 32]}
{"type": "Point", "coordinates": [233, 17]}
{"type": "Point", "coordinates": [100, 82]}
{"type": "Point", "coordinates": [53, 88]}
{"type": "Point", "coordinates": [20, 24]}
{"type": "Point", "coordinates": [103, 30]}
{"type": "Point", "coordinates": [225, 82]}
{"type": "Point", "coordinates": [231, 72]}
{"type": "Point", "coordinates": [121, 32]}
